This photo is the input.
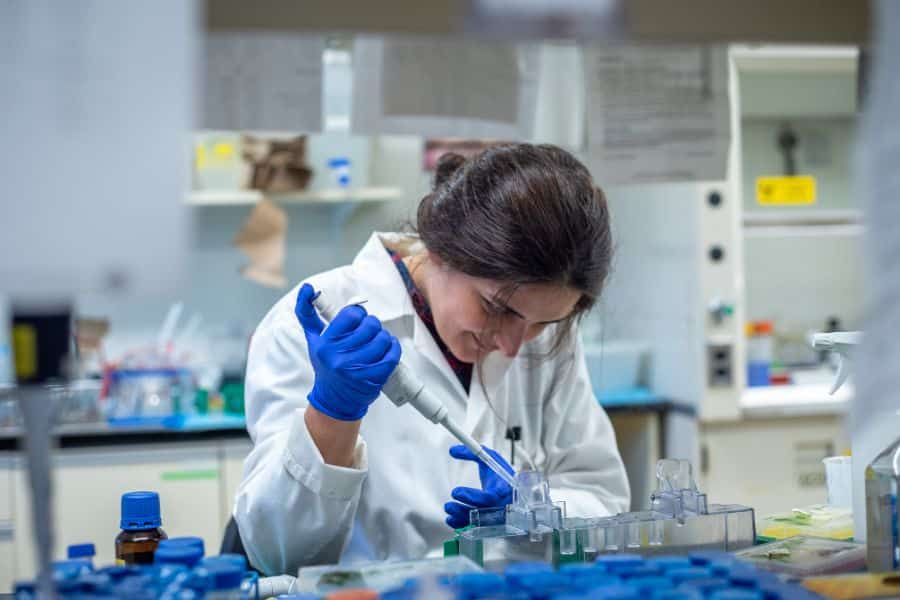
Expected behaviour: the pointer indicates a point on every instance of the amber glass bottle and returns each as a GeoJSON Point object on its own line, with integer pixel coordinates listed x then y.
{"type": "Point", "coordinates": [141, 529]}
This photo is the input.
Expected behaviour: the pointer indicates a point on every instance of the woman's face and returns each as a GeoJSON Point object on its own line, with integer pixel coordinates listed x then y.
{"type": "Point", "coordinates": [474, 320]}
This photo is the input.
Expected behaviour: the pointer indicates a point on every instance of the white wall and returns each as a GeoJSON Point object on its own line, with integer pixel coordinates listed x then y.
{"type": "Point", "coordinates": [230, 305]}
{"type": "Point", "coordinates": [653, 294]}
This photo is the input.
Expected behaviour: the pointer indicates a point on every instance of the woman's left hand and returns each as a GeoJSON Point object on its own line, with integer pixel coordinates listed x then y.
{"type": "Point", "coordinates": [494, 491]}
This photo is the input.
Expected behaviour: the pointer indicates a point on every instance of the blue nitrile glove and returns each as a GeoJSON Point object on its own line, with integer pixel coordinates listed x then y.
{"type": "Point", "coordinates": [494, 491]}
{"type": "Point", "coordinates": [352, 358]}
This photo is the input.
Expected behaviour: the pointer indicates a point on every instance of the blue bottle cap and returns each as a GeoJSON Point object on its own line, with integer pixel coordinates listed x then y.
{"type": "Point", "coordinates": [669, 562]}
{"type": "Point", "coordinates": [615, 562]}
{"type": "Point", "coordinates": [644, 570]}
{"type": "Point", "coordinates": [589, 582]}
{"type": "Point", "coordinates": [707, 585]}
{"type": "Point", "coordinates": [687, 574]}
{"type": "Point", "coordinates": [651, 584]}
{"type": "Point", "coordinates": [224, 576]}
{"type": "Point", "coordinates": [479, 583]}
{"type": "Point", "coordinates": [745, 576]}
{"type": "Point", "coordinates": [69, 569]}
{"type": "Point", "coordinates": [119, 572]}
{"type": "Point", "coordinates": [615, 592]}
{"type": "Point", "coordinates": [140, 510]}
{"type": "Point", "coordinates": [81, 551]}
{"type": "Point", "coordinates": [516, 571]}
{"type": "Point", "coordinates": [677, 594]}
{"type": "Point", "coordinates": [548, 581]}
{"type": "Point", "coordinates": [24, 587]}
{"type": "Point", "coordinates": [579, 567]}
{"type": "Point", "coordinates": [96, 583]}
{"type": "Point", "coordinates": [527, 567]}
{"type": "Point", "coordinates": [705, 557]}
{"type": "Point", "coordinates": [187, 555]}
{"type": "Point", "coordinates": [183, 541]}
{"type": "Point", "coordinates": [720, 567]}
{"type": "Point", "coordinates": [237, 560]}
{"type": "Point", "coordinates": [737, 594]}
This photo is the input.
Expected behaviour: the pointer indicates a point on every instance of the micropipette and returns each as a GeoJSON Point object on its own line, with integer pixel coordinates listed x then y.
{"type": "Point", "coordinates": [404, 387]}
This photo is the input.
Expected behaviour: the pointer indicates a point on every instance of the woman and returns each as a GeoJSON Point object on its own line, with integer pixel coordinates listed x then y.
{"type": "Point", "coordinates": [511, 248]}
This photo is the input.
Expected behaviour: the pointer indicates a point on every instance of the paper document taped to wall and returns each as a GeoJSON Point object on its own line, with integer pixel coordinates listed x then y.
{"type": "Point", "coordinates": [262, 239]}
{"type": "Point", "coordinates": [263, 81]}
{"type": "Point", "coordinates": [657, 113]}
{"type": "Point", "coordinates": [441, 88]}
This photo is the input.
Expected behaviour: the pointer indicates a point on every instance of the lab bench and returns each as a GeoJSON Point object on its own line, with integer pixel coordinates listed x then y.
{"type": "Point", "coordinates": [195, 472]}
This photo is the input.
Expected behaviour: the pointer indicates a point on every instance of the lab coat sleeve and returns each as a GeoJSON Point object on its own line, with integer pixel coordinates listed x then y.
{"type": "Point", "coordinates": [291, 508]}
{"type": "Point", "coordinates": [582, 459]}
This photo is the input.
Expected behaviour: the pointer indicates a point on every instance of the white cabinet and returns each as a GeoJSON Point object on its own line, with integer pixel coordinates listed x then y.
{"type": "Point", "coordinates": [88, 484]}
{"type": "Point", "coordinates": [772, 464]}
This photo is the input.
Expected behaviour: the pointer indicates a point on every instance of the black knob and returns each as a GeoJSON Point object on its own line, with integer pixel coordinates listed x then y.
{"type": "Point", "coordinates": [716, 253]}
{"type": "Point", "coordinates": [714, 199]}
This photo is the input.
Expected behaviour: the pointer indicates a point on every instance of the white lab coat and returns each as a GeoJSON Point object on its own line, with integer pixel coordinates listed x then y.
{"type": "Point", "coordinates": [293, 510]}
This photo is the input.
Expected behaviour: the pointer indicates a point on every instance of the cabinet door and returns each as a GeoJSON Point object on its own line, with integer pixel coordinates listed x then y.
{"type": "Point", "coordinates": [88, 485]}
{"type": "Point", "coordinates": [772, 465]}
{"type": "Point", "coordinates": [233, 454]}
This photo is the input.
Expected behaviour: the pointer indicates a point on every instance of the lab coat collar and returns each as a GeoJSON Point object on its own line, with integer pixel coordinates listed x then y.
{"type": "Point", "coordinates": [387, 298]}
{"type": "Point", "coordinates": [386, 295]}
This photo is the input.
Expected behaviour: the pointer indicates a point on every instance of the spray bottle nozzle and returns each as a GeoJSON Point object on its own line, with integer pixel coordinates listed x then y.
{"type": "Point", "coordinates": [843, 343]}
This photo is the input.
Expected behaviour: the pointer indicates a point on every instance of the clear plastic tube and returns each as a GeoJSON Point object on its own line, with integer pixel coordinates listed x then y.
{"type": "Point", "coordinates": [480, 452]}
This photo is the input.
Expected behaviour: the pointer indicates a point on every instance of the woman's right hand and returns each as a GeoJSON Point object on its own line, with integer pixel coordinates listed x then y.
{"type": "Point", "coordinates": [352, 358]}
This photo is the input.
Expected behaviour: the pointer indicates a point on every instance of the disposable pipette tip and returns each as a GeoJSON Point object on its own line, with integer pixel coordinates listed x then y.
{"type": "Point", "coordinates": [496, 468]}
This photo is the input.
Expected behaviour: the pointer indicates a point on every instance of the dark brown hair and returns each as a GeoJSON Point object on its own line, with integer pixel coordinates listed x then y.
{"type": "Point", "coordinates": [520, 214]}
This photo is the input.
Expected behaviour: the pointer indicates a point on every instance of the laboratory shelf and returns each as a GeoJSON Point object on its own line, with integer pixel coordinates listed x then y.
{"type": "Point", "coordinates": [86, 435]}
{"type": "Point", "coordinates": [320, 196]}
{"type": "Point", "coordinates": [795, 400]}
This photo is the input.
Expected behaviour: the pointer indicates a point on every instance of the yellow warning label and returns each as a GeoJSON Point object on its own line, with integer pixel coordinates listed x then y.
{"type": "Point", "coordinates": [786, 191]}
{"type": "Point", "coordinates": [24, 340]}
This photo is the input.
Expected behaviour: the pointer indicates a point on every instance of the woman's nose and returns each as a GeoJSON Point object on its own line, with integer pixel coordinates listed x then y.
{"type": "Point", "coordinates": [510, 338]}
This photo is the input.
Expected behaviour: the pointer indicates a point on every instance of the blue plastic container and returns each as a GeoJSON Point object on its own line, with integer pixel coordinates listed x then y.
{"type": "Point", "coordinates": [667, 563]}
{"type": "Point", "coordinates": [179, 554]}
{"type": "Point", "coordinates": [617, 562]}
{"type": "Point", "coordinates": [737, 594]}
{"type": "Point", "coordinates": [687, 574]}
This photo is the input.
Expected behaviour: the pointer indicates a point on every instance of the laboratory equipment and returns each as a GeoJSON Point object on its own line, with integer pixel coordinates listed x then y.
{"type": "Point", "coordinates": [838, 480]}
{"type": "Point", "coordinates": [339, 166]}
{"type": "Point", "coordinates": [378, 575]}
{"type": "Point", "coordinates": [404, 387]}
{"type": "Point", "coordinates": [760, 350]}
{"type": "Point", "coordinates": [85, 552]}
{"type": "Point", "coordinates": [818, 520]}
{"type": "Point", "coordinates": [225, 579]}
{"type": "Point", "coordinates": [155, 396]}
{"type": "Point", "coordinates": [76, 402]}
{"type": "Point", "coordinates": [843, 343]}
{"type": "Point", "coordinates": [680, 519]}
{"type": "Point", "coordinates": [189, 556]}
{"type": "Point", "coordinates": [882, 522]}
{"type": "Point", "coordinates": [217, 578]}
{"type": "Point", "coordinates": [617, 577]}
{"type": "Point", "coordinates": [142, 531]}
{"type": "Point", "coordinates": [804, 555]}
